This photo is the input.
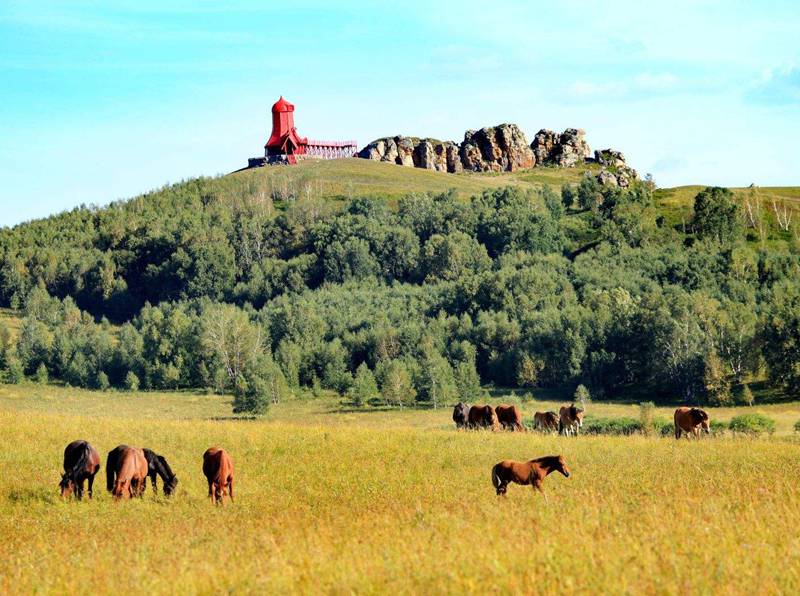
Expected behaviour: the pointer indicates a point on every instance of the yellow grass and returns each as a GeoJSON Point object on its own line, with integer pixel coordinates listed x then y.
{"type": "Point", "coordinates": [387, 501]}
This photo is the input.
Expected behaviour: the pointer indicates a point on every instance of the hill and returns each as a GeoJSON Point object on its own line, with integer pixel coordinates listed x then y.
{"type": "Point", "coordinates": [368, 278]}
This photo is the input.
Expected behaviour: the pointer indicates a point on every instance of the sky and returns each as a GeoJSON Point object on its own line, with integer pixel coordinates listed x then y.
{"type": "Point", "coordinates": [105, 100]}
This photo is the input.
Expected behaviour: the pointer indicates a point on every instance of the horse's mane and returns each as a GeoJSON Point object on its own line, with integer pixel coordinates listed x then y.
{"type": "Point", "coordinates": [547, 460]}
{"type": "Point", "coordinates": [82, 463]}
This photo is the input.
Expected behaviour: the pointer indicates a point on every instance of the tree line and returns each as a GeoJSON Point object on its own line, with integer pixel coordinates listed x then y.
{"type": "Point", "coordinates": [208, 283]}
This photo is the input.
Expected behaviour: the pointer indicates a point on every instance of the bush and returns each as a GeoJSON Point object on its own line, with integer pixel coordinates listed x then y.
{"type": "Point", "coordinates": [746, 395]}
{"type": "Point", "coordinates": [752, 424]}
{"type": "Point", "coordinates": [646, 410]}
{"type": "Point", "coordinates": [612, 426]}
{"type": "Point", "coordinates": [718, 427]}
{"type": "Point", "coordinates": [16, 372]}
{"type": "Point", "coordinates": [131, 381]}
{"type": "Point", "coordinates": [797, 426]}
{"type": "Point", "coordinates": [41, 374]}
{"type": "Point", "coordinates": [581, 396]}
{"type": "Point", "coordinates": [663, 427]}
{"type": "Point", "coordinates": [101, 381]}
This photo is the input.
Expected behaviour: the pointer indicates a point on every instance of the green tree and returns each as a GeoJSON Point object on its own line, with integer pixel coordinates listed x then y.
{"type": "Point", "coordinates": [716, 215]}
{"type": "Point", "coordinates": [396, 386]}
{"type": "Point", "coordinates": [131, 381]}
{"type": "Point", "coordinates": [581, 396]}
{"type": "Point", "coordinates": [567, 196]}
{"type": "Point", "coordinates": [41, 374]}
{"type": "Point", "coordinates": [781, 337]}
{"type": "Point", "coordinates": [364, 386]}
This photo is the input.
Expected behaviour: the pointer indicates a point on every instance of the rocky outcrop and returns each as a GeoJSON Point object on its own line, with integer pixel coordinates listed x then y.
{"type": "Point", "coordinates": [501, 148]}
{"type": "Point", "coordinates": [564, 150]}
{"type": "Point", "coordinates": [615, 171]}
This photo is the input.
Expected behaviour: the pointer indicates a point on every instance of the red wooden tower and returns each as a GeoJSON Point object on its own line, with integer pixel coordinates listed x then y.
{"type": "Point", "coordinates": [284, 139]}
{"type": "Point", "coordinates": [285, 144]}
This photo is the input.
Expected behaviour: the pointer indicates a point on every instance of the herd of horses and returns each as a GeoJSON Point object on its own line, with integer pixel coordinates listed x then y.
{"type": "Point", "coordinates": [568, 421]}
{"type": "Point", "coordinates": [128, 468]}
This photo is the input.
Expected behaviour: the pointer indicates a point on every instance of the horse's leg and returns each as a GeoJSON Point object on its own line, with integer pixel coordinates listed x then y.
{"type": "Point", "coordinates": [90, 482]}
{"type": "Point", "coordinates": [79, 488]}
{"type": "Point", "coordinates": [211, 494]}
{"type": "Point", "coordinates": [230, 488]}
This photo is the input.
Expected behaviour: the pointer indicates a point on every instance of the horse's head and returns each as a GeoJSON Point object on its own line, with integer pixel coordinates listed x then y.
{"type": "Point", "coordinates": [171, 486]}
{"type": "Point", "coordinates": [66, 485]}
{"type": "Point", "coordinates": [577, 415]}
{"type": "Point", "coordinates": [561, 466]}
{"type": "Point", "coordinates": [700, 418]}
{"type": "Point", "coordinates": [491, 416]}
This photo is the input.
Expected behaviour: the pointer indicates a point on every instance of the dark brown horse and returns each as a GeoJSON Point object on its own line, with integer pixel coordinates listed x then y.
{"type": "Point", "coordinates": [690, 421]}
{"type": "Point", "coordinates": [509, 417]}
{"type": "Point", "coordinates": [570, 420]}
{"type": "Point", "coordinates": [531, 472]}
{"type": "Point", "coordinates": [461, 415]}
{"type": "Point", "coordinates": [218, 470]}
{"type": "Point", "coordinates": [545, 421]}
{"type": "Point", "coordinates": [126, 472]}
{"type": "Point", "coordinates": [81, 462]}
{"type": "Point", "coordinates": [482, 417]}
{"type": "Point", "coordinates": [156, 466]}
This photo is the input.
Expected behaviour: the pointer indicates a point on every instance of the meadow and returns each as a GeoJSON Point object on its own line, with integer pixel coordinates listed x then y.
{"type": "Point", "coordinates": [333, 501]}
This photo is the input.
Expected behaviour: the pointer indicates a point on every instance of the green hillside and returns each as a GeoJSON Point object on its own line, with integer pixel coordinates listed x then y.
{"type": "Point", "coordinates": [371, 279]}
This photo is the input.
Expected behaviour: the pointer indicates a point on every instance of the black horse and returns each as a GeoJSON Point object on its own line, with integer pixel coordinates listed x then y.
{"type": "Point", "coordinates": [81, 463]}
{"type": "Point", "coordinates": [156, 466]}
{"type": "Point", "coordinates": [461, 415]}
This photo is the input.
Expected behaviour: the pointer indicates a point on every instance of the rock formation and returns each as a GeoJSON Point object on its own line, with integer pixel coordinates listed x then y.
{"type": "Point", "coordinates": [501, 148]}
{"type": "Point", "coordinates": [615, 172]}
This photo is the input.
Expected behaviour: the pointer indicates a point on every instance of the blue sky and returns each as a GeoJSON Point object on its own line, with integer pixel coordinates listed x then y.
{"type": "Point", "coordinates": [104, 100]}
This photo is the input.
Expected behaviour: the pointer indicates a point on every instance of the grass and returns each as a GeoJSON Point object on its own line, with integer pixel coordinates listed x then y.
{"type": "Point", "coordinates": [332, 501]}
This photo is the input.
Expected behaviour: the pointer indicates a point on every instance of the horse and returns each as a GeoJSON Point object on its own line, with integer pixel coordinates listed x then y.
{"type": "Point", "coordinates": [218, 470]}
{"type": "Point", "coordinates": [531, 472]}
{"type": "Point", "coordinates": [690, 421]}
{"type": "Point", "coordinates": [482, 417]}
{"type": "Point", "coordinates": [545, 421]}
{"type": "Point", "coordinates": [570, 419]}
{"type": "Point", "coordinates": [156, 466]}
{"type": "Point", "coordinates": [461, 415]}
{"type": "Point", "coordinates": [126, 472]}
{"type": "Point", "coordinates": [509, 417]}
{"type": "Point", "coordinates": [81, 462]}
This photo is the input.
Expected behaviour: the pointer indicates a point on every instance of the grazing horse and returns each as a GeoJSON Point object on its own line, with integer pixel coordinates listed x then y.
{"type": "Point", "coordinates": [570, 419]}
{"type": "Point", "coordinates": [482, 417]}
{"type": "Point", "coordinates": [461, 414]}
{"type": "Point", "coordinates": [509, 417]}
{"type": "Point", "coordinates": [531, 472]}
{"type": "Point", "coordinates": [218, 470]}
{"type": "Point", "coordinates": [545, 421]}
{"type": "Point", "coordinates": [690, 421]}
{"type": "Point", "coordinates": [156, 466]}
{"type": "Point", "coordinates": [81, 462]}
{"type": "Point", "coordinates": [126, 472]}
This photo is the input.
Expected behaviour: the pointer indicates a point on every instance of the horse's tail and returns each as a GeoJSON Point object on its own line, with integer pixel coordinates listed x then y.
{"type": "Point", "coordinates": [111, 464]}
{"type": "Point", "coordinates": [496, 482]}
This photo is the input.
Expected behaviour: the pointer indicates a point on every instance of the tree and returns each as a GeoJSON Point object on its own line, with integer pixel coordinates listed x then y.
{"type": "Point", "coordinates": [435, 383]}
{"type": "Point", "coordinates": [552, 202]}
{"type": "Point", "coordinates": [528, 371]}
{"type": "Point", "coordinates": [229, 337]}
{"type": "Point", "coordinates": [567, 196]}
{"type": "Point", "coordinates": [364, 386]}
{"type": "Point", "coordinates": [396, 386]}
{"type": "Point", "coordinates": [716, 215]}
{"type": "Point", "coordinates": [581, 396]}
{"type": "Point", "coordinates": [260, 385]}
{"type": "Point", "coordinates": [747, 396]}
{"type": "Point", "coordinates": [781, 337]}
{"type": "Point", "coordinates": [715, 381]}
{"type": "Point", "coordinates": [131, 381]}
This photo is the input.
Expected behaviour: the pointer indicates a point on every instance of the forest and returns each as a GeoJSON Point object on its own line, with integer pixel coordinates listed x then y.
{"type": "Point", "coordinates": [217, 284]}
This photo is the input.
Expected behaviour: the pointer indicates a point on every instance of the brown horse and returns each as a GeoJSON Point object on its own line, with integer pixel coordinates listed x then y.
{"type": "Point", "coordinates": [570, 420]}
{"type": "Point", "coordinates": [545, 421]}
{"type": "Point", "coordinates": [156, 466]}
{"type": "Point", "coordinates": [218, 469]}
{"type": "Point", "coordinates": [482, 417]}
{"type": "Point", "coordinates": [81, 462]}
{"type": "Point", "coordinates": [509, 417]}
{"type": "Point", "coordinates": [126, 473]}
{"type": "Point", "coordinates": [461, 414]}
{"type": "Point", "coordinates": [690, 421]}
{"type": "Point", "coordinates": [531, 472]}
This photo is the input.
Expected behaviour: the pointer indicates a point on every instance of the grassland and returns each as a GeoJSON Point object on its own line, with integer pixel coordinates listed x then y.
{"type": "Point", "coordinates": [336, 501]}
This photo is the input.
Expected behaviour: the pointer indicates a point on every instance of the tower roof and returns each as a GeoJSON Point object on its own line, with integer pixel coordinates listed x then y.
{"type": "Point", "coordinates": [282, 106]}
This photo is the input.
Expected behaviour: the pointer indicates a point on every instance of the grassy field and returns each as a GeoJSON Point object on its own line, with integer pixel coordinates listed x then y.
{"type": "Point", "coordinates": [336, 501]}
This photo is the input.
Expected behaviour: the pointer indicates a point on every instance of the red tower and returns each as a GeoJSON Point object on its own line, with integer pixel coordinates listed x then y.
{"type": "Point", "coordinates": [284, 139]}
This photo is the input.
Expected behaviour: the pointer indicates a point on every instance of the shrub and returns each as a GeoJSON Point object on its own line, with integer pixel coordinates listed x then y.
{"type": "Point", "coordinates": [364, 386]}
{"type": "Point", "coordinates": [101, 381]}
{"type": "Point", "coordinates": [797, 426]}
{"type": "Point", "coordinates": [752, 424]}
{"type": "Point", "coordinates": [131, 381]}
{"type": "Point", "coordinates": [16, 372]}
{"type": "Point", "coordinates": [663, 427]}
{"type": "Point", "coordinates": [646, 410]}
{"type": "Point", "coordinates": [612, 426]}
{"type": "Point", "coordinates": [41, 374]}
{"type": "Point", "coordinates": [581, 396]}
{"type": "Point", "coordinates": [718, 427]}
{"type": "Point", "coordinates": [746, 395]}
